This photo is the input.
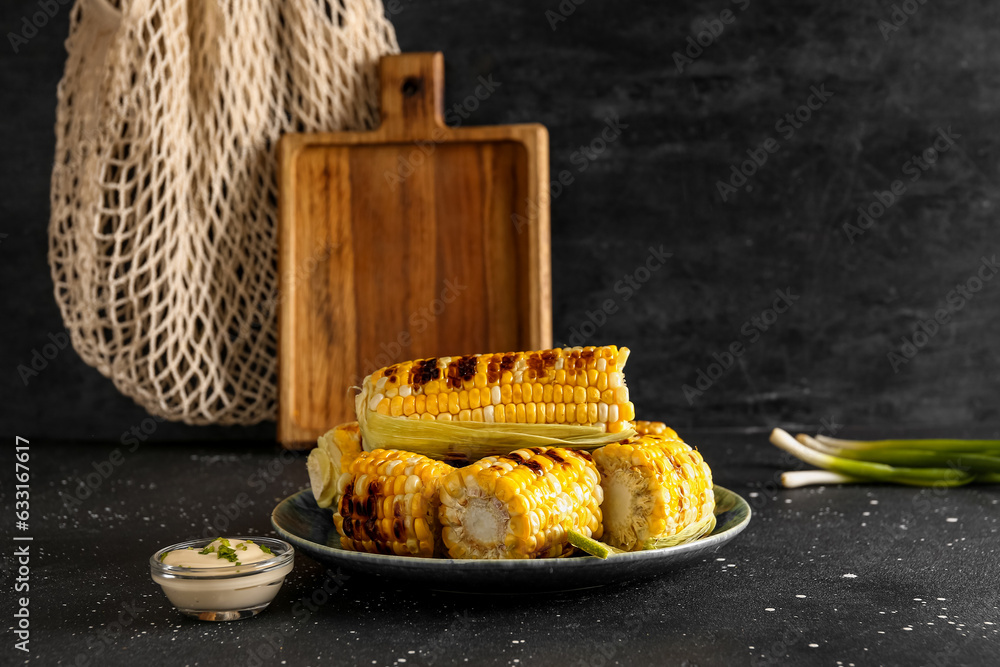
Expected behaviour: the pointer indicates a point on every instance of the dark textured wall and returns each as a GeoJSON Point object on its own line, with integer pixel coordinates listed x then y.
{"type": "Point", "coordinates": [677, 120]}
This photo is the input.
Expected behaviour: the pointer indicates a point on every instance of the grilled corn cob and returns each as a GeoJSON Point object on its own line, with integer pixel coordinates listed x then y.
{"type": "Point", "coordinates": [389, 503]}
{"type": "Point", "coordinates": [520, 505]}
{"type": "Point", "coordinates": [334, 452]}
{"type": "Point", "coordinates": [657, 492]}
{"type": "Point", "coordinates": [573, 396]}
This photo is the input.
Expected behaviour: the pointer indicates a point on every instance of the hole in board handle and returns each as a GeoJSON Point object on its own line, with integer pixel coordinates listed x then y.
{"type": "Point", "coordinates": [412, 85]}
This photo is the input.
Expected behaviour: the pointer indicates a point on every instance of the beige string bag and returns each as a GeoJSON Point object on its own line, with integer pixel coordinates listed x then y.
{"type": "Point", "coordinates": [163, 227]}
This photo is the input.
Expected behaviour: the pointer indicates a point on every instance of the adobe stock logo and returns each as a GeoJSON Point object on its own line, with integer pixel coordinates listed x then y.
{"type": "Point", "coordinates": [956, 299]}
{"type": "Point", "coordinates": [752, 330]}
{"type": "Point", "coordinates": [786, 126]}
{"type": "Point", "coordinates": [914, 168]}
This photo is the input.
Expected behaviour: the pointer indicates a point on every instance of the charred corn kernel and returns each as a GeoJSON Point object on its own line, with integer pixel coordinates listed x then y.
{"type": "Point", "coordinates": [655, 486]}
{"type": "Point", "coordinates": [390, 504]}
{"type": "Point", "coordinates": [520, 505]}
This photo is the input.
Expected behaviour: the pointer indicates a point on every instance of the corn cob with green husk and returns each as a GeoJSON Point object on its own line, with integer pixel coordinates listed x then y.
{"type": "Point", "coordinates": [333, 454]}
{"type": "Point", "coordinates": [520, 505]}
{"type": "Point", "coordinates": [389, 503]}
{"type": "Point", "coordinates": [464, 408]}
{"type": "Point", "coordinates": [657, 492]}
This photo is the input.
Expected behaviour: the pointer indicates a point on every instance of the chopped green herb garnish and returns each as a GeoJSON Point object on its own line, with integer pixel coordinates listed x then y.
{"type": "Point", "coordinates": [207, 550]}
{"type": "Point", "coordinates": [266, 550]}
{"type": "Point", "coordinates": [163, 555]}
{"type": "Point", "coordinates": [242, 546]}
{"type": "Point", "coordinates": [223, 541]}
{"type": "Point", "coordinates": [229, 554]}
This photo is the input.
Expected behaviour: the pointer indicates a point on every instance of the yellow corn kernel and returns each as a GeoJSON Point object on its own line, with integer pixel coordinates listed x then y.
{"type": "Point", "coordinates": [396, 406]}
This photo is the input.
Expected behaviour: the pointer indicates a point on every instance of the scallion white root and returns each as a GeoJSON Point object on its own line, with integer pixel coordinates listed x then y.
{"type": "Point", "coordinates": [797, 478]}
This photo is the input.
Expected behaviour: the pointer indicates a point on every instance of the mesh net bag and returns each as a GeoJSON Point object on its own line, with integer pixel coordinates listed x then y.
{"type": "Point", "coordinates": [164, 191]}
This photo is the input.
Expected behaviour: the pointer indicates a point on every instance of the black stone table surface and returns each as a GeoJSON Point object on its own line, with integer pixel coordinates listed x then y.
{"type": "Point", "coordinates": [841, 576]}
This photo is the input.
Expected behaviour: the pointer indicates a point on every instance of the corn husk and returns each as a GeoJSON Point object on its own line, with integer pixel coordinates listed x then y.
{"type": "Point", "coordinates": [458, 442]}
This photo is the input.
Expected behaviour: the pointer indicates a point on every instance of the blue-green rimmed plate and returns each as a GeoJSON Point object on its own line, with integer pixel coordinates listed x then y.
{"type": "Point", "coordinates": [298, 520]}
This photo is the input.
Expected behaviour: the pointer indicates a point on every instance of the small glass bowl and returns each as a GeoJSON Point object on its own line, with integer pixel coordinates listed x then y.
{"type": "Point", "coordinates": [223, 593]}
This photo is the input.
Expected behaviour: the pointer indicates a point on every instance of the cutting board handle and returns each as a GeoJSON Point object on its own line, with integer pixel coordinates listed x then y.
{"type": "Point", "coordinates": [412, 95]}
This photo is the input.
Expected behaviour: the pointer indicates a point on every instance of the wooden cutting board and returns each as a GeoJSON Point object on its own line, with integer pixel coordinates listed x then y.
{"type": "Point", "coordinates": [413, 240]}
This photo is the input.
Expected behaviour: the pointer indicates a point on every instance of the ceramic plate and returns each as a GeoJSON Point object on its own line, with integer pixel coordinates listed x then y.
{"type": "Point", "coordinates": [310, 528]}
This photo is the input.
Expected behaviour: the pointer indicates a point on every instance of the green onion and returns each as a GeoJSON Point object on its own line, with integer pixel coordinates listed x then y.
{"type": "Point", "coordinates": [797, 478]}
{"type": "Point", "coordinates": [935, 445]}
{"type": "Point", "coordinates": [826, 455]}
